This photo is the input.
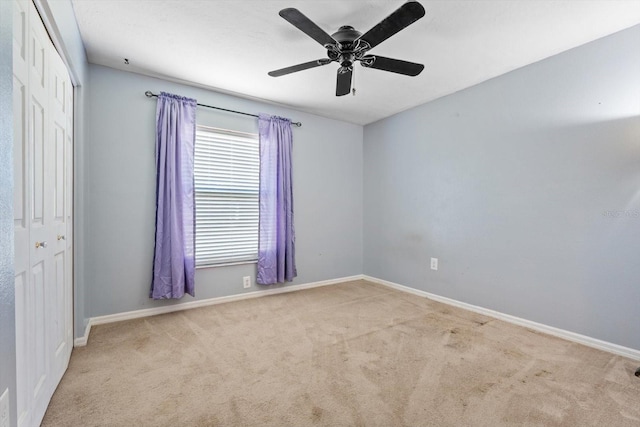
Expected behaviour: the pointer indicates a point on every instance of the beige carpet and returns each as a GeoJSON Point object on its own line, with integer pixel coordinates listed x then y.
{"type": "Point", "coordinates": [354, 354]}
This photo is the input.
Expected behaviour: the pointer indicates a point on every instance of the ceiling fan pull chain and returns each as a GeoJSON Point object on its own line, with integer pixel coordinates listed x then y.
{"type": "Point", "coordinates": [353, 91]}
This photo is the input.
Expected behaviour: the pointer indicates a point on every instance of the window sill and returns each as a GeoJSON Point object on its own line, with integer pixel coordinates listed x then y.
{"type": "Point", "coordinates": [229, 264]}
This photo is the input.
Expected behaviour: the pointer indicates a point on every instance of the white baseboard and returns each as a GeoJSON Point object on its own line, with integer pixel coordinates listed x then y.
{"type": "Point", "coordinates": [82, 341]}
{"type": "Point", "coordinates": [561, 333]}
{"type": "Point", "coordinates": [136, 314]}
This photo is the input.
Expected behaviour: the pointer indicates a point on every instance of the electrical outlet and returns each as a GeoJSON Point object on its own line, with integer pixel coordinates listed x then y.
{"type": "Point", "coordinates": [4, 409]}
{"type": "Point", "coordinates": [246, 281]}
{"type": "Point", "coordinates": [434, 263]}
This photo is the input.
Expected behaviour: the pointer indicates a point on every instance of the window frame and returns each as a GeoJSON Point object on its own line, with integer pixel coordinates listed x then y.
{"type": "Point", "coordinates": [229, 135]}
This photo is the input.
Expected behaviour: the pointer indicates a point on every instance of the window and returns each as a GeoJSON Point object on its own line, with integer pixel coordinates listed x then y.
{"type": "Point", "coordinates": [226, 173]}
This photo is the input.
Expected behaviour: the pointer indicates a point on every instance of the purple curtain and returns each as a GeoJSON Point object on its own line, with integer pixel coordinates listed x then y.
{"type": "Point", "coordinates": [276, 245]}
{"type": "Point", "coordinates": [174, 257]}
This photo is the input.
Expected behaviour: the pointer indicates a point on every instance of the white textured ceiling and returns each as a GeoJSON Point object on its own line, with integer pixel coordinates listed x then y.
{"type": "Point", "coordinates": [230, 46]}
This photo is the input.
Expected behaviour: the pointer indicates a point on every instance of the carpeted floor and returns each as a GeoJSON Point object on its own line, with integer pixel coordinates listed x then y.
{"type": "Point", "coordinates": [353, 354]}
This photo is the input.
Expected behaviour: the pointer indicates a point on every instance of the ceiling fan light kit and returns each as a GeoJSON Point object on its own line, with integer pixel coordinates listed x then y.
{"type": "Point", "coordinates": [348, 46]}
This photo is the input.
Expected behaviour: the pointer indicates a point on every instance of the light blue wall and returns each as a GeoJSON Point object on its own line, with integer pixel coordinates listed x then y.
{"type": "Point", "coordinates": [7, 297]}
{"type": "Point", "coordinates": [119, 203]}
{"type": "Point", "coordinates": [516, 184]}
{"type": "Point", "coordinates": [527, 189]}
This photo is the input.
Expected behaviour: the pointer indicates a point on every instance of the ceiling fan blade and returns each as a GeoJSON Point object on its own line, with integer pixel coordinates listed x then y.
{"type": "Point", "coordinates": [404, 16]}
{"type": "Point", "coordinates": [393, 65]}
{"type": "Point", "coordinates": [299, 67]}
{"type": "Point", "coordinates": [307, 26]}
{"type": "Point", "coordinates": [343, 86]}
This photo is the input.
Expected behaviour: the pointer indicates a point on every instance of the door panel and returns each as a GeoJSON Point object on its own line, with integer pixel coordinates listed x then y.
{"type": "Point", "coordinates": [59, 327]}
{"type": "Point", "coordinates": [38, 47]}
{"type": "Point", "coordinates": [22, 343]}
{"type": "Point", "coordinates": [20, 20]}
{"type": "Point", "coordinates": [37, 147]}
{"type": "Point", "coordinates": [59, 169]}
{"type": "Point", "coordinates": [19, 154]}
{"type": "Point", "coordinates": [21, 207]}
{"type": "Point", "coordinates": [37, 315]}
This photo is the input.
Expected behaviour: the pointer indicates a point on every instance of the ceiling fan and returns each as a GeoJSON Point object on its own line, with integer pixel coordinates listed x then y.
{"type": "Point", "coordinates": [348, 46]}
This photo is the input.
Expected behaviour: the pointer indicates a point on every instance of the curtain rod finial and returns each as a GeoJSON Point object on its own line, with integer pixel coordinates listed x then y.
{"type": "Point", "coordinates": [149, 94]}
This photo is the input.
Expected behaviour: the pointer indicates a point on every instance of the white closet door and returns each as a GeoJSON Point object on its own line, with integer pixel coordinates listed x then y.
{"type": "Point", "coordinates": [61, 292]}
{"type": "Point", "coordinates": [42, 157]}
{"type": "Point", "coordinates": [40, 259]}
{"type": "Point", "coordinates": [68, 237]}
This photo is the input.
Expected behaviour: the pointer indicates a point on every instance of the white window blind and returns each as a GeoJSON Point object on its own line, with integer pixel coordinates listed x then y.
{"type": "Point", "coordinates": [226, 169]}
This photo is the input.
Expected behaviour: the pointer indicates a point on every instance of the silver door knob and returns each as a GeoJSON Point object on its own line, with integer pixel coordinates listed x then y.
{"type": "Point", "coordinates": [61, 237]}
{"type": "Point", "coordinates": [41, 245]}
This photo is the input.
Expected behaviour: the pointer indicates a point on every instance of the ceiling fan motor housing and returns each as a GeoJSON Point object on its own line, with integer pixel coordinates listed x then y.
{"type": "Point", "coordinates": [346, 35]}
{"type": "Point", "coordinates": [349, 48]}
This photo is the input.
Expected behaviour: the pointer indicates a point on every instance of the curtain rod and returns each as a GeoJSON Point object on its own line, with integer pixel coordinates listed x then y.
{"type": "Point", "coordinates": [150, 94]}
